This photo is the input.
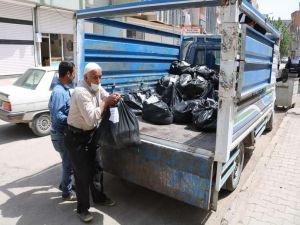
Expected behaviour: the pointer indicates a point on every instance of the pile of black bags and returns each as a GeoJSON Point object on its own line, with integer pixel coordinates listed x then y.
{"type": "Point", "coordinates": [188, 95]}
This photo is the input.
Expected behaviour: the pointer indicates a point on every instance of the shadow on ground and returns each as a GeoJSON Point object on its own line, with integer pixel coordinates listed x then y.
{"type": "Point", "coordinates": [36, 200]}
{"type": "Point", "coordinates": [10, 132]}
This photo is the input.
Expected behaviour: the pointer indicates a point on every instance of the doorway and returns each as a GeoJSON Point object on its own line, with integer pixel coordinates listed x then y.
{"type": "Point", "coordinates": [45, 53]}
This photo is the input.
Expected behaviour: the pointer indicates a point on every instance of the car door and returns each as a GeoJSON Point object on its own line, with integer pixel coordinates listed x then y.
{"type": "Point", "coordinates": [44, 89]}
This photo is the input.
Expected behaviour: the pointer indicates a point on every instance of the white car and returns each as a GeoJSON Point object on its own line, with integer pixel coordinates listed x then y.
{"type": "Point", "coordinates": [284, 59]}
{"type": "Point", "coordinates": [26, 101]}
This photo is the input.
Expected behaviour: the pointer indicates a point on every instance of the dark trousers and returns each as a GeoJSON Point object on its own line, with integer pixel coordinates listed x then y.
{"type": "Point", "coordinates": [87, 170]}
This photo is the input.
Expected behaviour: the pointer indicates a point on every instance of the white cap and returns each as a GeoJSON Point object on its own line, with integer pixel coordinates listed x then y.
{"type": "Point", "coordinates": [91, 66]}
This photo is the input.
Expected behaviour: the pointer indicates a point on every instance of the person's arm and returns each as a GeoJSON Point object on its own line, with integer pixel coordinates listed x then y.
{"type": "Point", "coordinates": [58, 107]}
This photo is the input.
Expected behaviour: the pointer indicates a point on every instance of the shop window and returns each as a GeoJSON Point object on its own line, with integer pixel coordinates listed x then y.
{"type": "Point", "coordinates": [56, 49]}
{"type": "Point", "coordinates": [68, 47]}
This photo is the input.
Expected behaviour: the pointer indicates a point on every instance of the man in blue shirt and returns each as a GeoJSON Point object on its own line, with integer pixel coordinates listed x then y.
{"type": "Point", "coordinates": [59, 105]}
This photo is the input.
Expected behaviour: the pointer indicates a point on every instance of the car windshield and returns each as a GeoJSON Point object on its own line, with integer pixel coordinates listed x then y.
{"type": "Point", "coordinates": [30, 79]}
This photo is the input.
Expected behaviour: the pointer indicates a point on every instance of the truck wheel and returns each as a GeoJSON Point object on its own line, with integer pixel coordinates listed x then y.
{"type": "Point", "coordinates": [233, 180]}
{"type": "Point", "coordinates": [269, 125]}
{"type": "Point", "coordinates": [41, 124]}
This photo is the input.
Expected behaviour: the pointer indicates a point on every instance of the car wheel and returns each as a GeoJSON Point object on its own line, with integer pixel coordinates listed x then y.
{"type": "Point", "coordinates": [41, 124]}
{"type": "Point", "coordinates": [234, 179]}
{"type": "Point", "coordinates": [270, 124]}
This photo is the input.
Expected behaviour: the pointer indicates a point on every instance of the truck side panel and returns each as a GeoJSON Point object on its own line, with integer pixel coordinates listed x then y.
{"type": "Point", "coordinates": [128, 64]}
{"type": "Point", "coordinates": [182, 175]}
{"type": "Point", "coordinates": [255, 63]}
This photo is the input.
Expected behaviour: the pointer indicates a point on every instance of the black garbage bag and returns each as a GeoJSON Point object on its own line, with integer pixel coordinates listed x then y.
{"type": "Point", "coordinates": [118, 128]}
{"type": "Point", "coordinates": [171, 96]}
{"type": "Point", "coordinates": [204, 72]}
{"type": "Point", "coordinates": [205, 115]}
{"type": "Point", "coordinates": [144, 94]}
{"type": "Point", "coordinates": [183, 82]}
{"type": "Point", "coordinates": [182, 112]}
{"type": "Point", "coordinates": [195, 88]}
{"type": "Point", "coordinates": [166, 81]}
{"type": "Point", "coordinates": [215, 81]}
{"type": "Point", "coordinates": [134, 101]}
{"type": "Point", "coordinates": [185, 79]}
{"type": "Point", "coordinates": [157, 112]}
{"type": "Point", "coordinates": [180, 67]}
{"type": "Point", "coordinates": [209, 91]}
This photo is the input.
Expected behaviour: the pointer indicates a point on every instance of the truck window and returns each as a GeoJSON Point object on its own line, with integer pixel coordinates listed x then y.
{"type": "Point", "coordinates": [210, 58]}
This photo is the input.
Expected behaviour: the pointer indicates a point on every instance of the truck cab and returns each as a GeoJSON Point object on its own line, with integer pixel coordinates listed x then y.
{"type": "Point", "coordinates": [202, 50]}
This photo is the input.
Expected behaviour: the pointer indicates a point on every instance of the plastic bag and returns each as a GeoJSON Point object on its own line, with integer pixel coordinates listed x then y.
{"type": "Point", "coordinates": [204, 72]}
{"type": "Point", "coordinates": [182, 112]}
{"type": "Point", "coordinates": [180, 67]}
{"type": "Point", "coordinates": [118, 128]}
{"type": "Point", "coordinates": [193, 88]}
{"type": "Point", "coordinates": [166, 81]}
{"type": "Point", "coordinates": [171, 96]}
{"type": "Point", "coordinates": [134, 101]}
{"type": "Point", "coordinates": [157, 112]}
{"type": "Point", "coordinates": [205, 115]}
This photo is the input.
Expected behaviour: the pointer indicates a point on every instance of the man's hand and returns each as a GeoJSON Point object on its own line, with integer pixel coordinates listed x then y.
{"type": "Point", "coordinates": [112, 99]}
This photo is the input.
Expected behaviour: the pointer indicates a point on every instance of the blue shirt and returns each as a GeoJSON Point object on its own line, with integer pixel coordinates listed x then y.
{"type": "Point", "coordinates": [59, 106]}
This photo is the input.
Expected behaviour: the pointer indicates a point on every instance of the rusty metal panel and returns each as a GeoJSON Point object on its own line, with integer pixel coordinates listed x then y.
{"type": "Point", "coordinates": [178, 174]}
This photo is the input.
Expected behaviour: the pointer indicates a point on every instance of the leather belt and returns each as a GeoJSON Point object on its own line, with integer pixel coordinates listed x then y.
{"type": "Point", "coordinates": [76, 130]}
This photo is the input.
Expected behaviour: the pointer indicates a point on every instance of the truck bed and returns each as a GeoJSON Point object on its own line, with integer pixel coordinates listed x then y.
{"type": "Point", "coordinates": [181, 134]}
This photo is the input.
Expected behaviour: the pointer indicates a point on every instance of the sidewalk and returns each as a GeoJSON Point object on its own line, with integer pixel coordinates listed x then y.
{"type": "Point", "coordinates": [272, 193]}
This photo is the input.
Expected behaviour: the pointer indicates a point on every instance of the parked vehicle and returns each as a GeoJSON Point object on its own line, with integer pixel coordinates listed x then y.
{"type": "Point", "coordinates": [26, 101]}
{"type": "Point", "coordinates": [295, 65]}
{"type": "Point", "coordinates": [179, 162]}
{"type": "Point", "coordinates": [284, 59]}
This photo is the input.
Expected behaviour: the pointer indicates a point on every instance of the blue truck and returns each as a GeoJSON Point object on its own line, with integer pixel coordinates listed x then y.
{"type": "Point", "coordinates": [186, 165]}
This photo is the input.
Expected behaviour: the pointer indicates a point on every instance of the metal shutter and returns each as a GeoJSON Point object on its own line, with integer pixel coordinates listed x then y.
{"type": "Point", "coordinates": [55, 21]}
{"type": "Point", "coordinates": [16, 38]}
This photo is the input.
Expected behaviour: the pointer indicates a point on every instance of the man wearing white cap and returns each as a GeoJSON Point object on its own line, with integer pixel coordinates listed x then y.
{"type": "Point", "coordinates": [88, 102]}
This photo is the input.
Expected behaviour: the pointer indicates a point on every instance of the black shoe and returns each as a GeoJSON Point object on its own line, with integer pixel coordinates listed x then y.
{"type": "Point", "coordinates": [106, 201]}
{"type": "Point", "coordinates": [85, 216]}
{"type": "Point", "coordinates": [71, 196]}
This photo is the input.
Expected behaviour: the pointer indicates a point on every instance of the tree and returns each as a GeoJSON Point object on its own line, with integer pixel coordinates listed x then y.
{"type": "Point", "coordinates": [286, 36]}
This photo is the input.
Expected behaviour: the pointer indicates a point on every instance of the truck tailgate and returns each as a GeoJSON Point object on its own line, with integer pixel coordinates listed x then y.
{"type": "Point", "coordinates": [178, 174]}
{"type": "Point", "coordinates": [169, 160]}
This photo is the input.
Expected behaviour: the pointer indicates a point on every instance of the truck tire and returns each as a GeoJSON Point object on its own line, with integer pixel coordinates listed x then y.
{"type": "Point", "coordinates": [41, 124]}
{"type": "Point", "coordinates": [269, 125]}
{"type": "Point", "coordinates": [234, 179]}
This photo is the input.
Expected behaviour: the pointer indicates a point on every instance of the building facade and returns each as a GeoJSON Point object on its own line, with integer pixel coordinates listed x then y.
{"type": "Point", "coordinates": [295, 30]}
{"type": "Point", "coordinates": [17, 49]}
{"type": "Point", "coordinates": [33, 35]}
